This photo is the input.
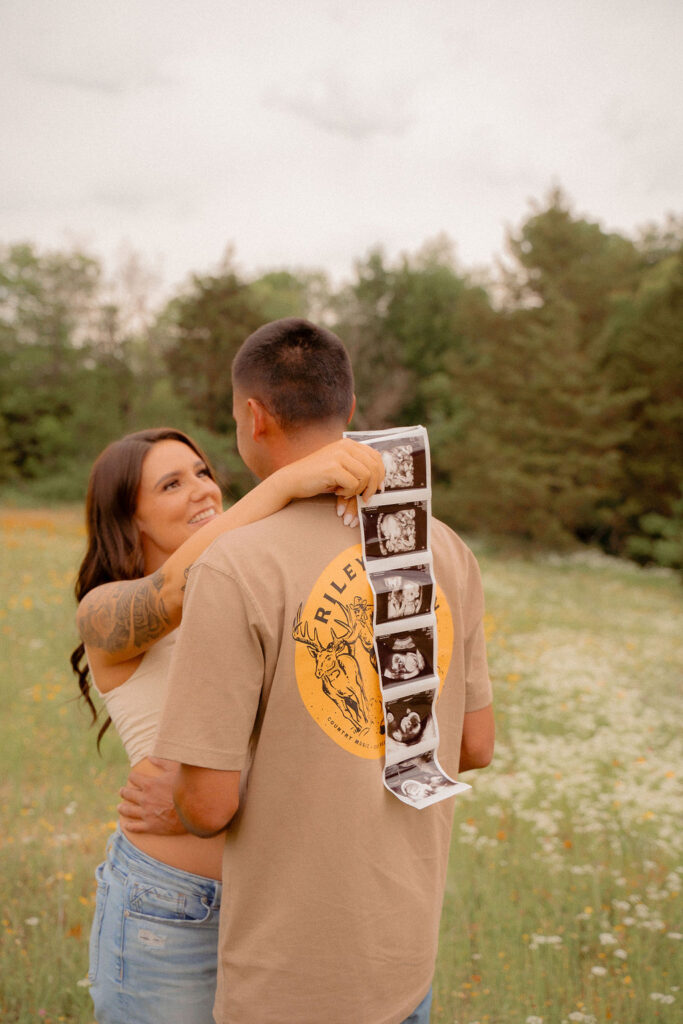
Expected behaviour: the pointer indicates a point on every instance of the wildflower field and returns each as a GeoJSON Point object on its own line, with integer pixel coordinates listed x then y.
{"type": "Point", "coordinates": [563, 900]}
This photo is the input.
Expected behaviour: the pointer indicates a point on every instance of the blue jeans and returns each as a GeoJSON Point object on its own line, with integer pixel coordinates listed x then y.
{"type": "Point", "coordinates": [420, 1014]}
{"type": "Point", "coordinates": [154, 941]}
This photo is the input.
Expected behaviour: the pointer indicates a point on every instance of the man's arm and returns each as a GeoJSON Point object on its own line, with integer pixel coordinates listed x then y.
{"type": "Point", "coordinates": [147, 801]}
{"type": "Point", "coordinates": [206, 799]}
{"type": "Point", "coordinates": [478, 736]}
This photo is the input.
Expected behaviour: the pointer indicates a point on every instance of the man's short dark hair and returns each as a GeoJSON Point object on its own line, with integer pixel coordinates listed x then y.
{"type": "Point", "coordinates": [300, 372]}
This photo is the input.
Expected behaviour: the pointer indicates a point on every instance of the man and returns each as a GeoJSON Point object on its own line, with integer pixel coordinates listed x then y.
{"type": "Point", "coordinates": [333, 887]}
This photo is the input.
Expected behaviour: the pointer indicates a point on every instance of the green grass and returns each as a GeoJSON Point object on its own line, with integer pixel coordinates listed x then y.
{"type": "Point", "coordinates": [564, 891]}
{"type": "Point", "coordinates": [563, 899]}
{"type": "Point", "coordinates": [57, 797]}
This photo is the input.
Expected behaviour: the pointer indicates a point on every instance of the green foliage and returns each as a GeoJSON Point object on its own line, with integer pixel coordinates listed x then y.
{"type": "Point", "coordinates": [642, 359]}
{"type": "Point", "coordinates": [661, 540]}
{"type": "Point", "coordinates": [74, 376]}
{"type": "Point", "coordinates": [45, 305]}
{"type": "Point", "coordinates": [202, 330]}
{"type": "Point", "coordinates": [401, 324]}
{"type": "Point", "coordinates": [570, 262]}
{"type": "Point", "coordinates": [538, 447]}
{"type": "Point", "coordinates": [360, 319]}
{"type": "Point", "coordinates": [281, 293]}
{"type": "Point", "coordinates": [553, 396]}
{"type": "Point", "coordinates": [206, 327]}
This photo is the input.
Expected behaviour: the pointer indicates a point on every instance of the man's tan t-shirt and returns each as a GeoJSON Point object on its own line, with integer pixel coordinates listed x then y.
{"type": "Point", "coordinates": [332, 887]}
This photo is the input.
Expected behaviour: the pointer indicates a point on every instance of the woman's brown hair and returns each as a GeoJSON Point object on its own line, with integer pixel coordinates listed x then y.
{"type": "Point", "coordinates": [114, 551]}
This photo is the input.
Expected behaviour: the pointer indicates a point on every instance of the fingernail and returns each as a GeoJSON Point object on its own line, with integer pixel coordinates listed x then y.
{"type": "Point", "coordinates": [341, 509]}
{"type": "Point", "coordinates": [355, 521]}
{"type": "Point", "coordinates": [348, 518]}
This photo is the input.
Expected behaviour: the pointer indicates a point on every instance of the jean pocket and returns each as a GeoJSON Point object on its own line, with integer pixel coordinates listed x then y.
{"type": "Point", "coordinates": [155, 903]}
{"type": "Point", "coordinates": [96, 929]}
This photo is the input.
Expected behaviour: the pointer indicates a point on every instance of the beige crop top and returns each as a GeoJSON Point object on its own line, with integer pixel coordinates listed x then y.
{"type": "Point", "coordinates": [135, 706]}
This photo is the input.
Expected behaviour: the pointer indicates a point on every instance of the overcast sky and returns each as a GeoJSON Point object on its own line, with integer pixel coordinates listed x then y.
{"type": "Point", "coordinates": [304, 133]}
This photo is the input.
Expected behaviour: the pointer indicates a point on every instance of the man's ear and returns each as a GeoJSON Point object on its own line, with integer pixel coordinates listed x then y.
{"type": "Point", "coordinates": [353, 409]}
{"type": "Point", "coordinates": [261, 419]}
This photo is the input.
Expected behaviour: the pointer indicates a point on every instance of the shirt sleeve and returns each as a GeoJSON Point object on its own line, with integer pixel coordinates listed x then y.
{"type": "Point", "coordinates": [216, 674]}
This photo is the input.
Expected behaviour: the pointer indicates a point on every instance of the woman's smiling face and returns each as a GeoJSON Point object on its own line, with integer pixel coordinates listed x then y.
{"type": "Point", "coordinates": [176, 496]}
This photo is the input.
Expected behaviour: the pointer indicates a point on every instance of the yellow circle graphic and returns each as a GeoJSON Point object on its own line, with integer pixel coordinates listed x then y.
{"type": "Point", "coordinates": [335, 662]}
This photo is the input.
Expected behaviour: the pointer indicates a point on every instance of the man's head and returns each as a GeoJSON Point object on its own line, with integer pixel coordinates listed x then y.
{"type": "Point", "coordinates": [290, 379]}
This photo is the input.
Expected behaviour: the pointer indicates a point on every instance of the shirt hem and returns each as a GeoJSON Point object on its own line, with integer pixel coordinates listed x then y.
{"type": "Point", "coordinates": [216, 759]}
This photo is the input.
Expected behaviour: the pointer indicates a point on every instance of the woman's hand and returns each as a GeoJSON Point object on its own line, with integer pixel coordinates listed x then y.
{"type": "Point", "coordinates": [345, 468]}
{"type": "Point", "coordinates": [348, 508]}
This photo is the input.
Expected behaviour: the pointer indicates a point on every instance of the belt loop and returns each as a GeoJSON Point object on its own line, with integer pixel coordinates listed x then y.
{"type": "Point", "coordinates": [216, 896]}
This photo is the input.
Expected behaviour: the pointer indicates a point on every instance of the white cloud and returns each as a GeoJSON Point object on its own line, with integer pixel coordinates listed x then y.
{"type": "Point", "coordinates": [341, 106]}
{"type": "Point", "coordinates": [306, 133]}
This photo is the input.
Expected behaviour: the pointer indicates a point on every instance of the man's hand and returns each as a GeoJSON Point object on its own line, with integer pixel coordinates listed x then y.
{"type": "Point", "coordinates": [147, 801]}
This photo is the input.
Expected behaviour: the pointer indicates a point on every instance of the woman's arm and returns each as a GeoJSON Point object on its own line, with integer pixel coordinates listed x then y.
{"type": "Point", "coordinates": [119, 621]}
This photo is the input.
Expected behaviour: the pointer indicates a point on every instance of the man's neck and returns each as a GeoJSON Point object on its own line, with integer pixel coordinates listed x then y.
{"type": "Point", "coordinates": [288, 447]}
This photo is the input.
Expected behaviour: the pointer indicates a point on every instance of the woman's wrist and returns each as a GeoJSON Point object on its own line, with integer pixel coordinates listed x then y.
{"type": "Point", "coordinates": [282, 485]}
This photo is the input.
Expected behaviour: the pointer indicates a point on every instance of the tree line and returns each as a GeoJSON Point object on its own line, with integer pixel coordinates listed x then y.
{"type": "Point", "coordinates": [552, 391]}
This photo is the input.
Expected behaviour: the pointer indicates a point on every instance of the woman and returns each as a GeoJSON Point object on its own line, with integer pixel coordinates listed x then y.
{"type": "Point", "coordinates": [153, 506]}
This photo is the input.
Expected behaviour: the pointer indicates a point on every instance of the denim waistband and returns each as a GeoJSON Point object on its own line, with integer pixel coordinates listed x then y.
{"type": "Point", "coordinates": [128, 858]}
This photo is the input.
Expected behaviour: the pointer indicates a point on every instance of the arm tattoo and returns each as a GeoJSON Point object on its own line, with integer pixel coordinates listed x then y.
{"type": "Point", "coordinates": [106, 622]}
{"type": "Point", "coordinates": [150, 618]}
{"type": "Point", "coordinates": [131, 613]}
{"type": "Point", "coordinates": [186, 573]}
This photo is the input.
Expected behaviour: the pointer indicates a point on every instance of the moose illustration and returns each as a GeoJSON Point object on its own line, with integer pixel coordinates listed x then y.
{"type": "Point", "coordinates": [358, 621]}
{"type": "Point", "coordinates": [337, 669]}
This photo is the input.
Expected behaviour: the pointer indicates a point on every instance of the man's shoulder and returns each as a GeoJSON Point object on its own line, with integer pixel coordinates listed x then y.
{"type": "Point", "coordinates": [275, 534]}
{"type": "Point", "coordinates": [454, 560]}
{"type": "Point", "coordinates": [444, 535]}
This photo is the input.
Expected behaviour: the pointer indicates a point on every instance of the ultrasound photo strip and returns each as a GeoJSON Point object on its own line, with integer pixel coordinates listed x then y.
{"type": "Point", "coordinates": [395, 533]}
{"type": "Point", "coordinates": [396, 539]}
{"type": "Point", "coordinates": [402, 593]}
{"type": "Point", "coordinates": [405, 455]}
{"type": "Point", "coordinates": [410, 654]}
{"type": "Point", "coordinates": [411, 725]}
{"type": "Point", "coordinates": [420, 781]}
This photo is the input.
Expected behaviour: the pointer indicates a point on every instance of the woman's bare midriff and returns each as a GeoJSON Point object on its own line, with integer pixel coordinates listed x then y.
{"type": "Point", "coordinates": [186, 852]}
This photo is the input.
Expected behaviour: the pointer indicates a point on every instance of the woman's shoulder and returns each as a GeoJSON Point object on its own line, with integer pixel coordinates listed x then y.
{"type": "Point", "coordinates": [107, 676]}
